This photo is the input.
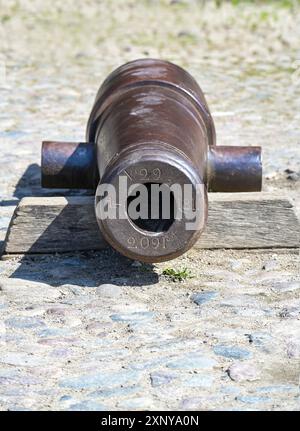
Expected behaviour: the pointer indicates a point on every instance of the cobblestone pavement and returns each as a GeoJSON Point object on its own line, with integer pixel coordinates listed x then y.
{"type": "Point", "coordinates": [97, 331]}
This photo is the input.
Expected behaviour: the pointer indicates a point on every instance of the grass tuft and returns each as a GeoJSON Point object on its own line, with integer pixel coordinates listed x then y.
{"type": "Point", "coordinates": [174, 275]}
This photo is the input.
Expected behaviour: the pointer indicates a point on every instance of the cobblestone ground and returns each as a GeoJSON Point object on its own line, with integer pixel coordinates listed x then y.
{"type": "Point", "coordinates": [96, 331]}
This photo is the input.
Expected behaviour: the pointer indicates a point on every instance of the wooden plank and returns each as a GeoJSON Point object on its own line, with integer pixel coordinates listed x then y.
{"type": "Point", "coordinates": [240, 220]}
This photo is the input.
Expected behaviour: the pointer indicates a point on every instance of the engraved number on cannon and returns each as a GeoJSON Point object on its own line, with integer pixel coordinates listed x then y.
{"type": "Point", "coordinates": [145, 242]}
{"type": "Point", "coordinates": [144, 174]}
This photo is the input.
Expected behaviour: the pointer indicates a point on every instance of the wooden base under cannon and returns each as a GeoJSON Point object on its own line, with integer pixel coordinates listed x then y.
{"type": "Point", "coordinates": [66, 224]}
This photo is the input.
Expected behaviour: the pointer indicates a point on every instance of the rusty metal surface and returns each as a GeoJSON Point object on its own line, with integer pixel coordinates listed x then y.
{"type": "Point", "coordinates": [150, 123]}
{"type": "Point", "coordinates": [152, 72]}
{"type": "Point", "coordinates": [71, 165]}
{"type": "Point", "coordinates": [234, 169]}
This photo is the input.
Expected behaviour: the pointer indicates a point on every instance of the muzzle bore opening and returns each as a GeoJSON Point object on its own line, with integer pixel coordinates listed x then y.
{"type": "Point", "coordinates": [152, 210]}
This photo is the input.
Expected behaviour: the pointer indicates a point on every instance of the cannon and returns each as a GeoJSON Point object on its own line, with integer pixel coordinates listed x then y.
{"type": "Point", "coordinates": [150, 126]}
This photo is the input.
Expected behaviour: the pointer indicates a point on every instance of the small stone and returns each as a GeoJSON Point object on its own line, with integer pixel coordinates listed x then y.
{"type": "Point", "coordinates": [192, 362]}
{"type": "Point", "coordinates": [144, 365]}
{"type": "Point", "coordinates": [139, 403]}
{"type": "Point", "coordinates": [30, 380]}
{"type": "Point", "coordinates": [293, 348]}
{"type": "Point", "coordinates": [270, 265]}
{"type": "Point", "coordinates": [88, 405]}
{"type": "Point", "coordinates": [23, 359]}
{"type": "Point", "coordinates": [24, 322]}
{"type": "Point", "coordinates": [18, 408]}
{"type": "Point", "coordinates": [278, 388]}
{"type": "Point", "coordinates": [254, 313]}
{"type": "Point", "coordinates": [12, 376]}
{"type": "Point", "coordinates": [55, 341]}
{"type": "Point", "coordinates": [289, 171]}
{"type": "Point", "coordinates": [293, 176]}
{"type": "Point", "coordinates": [136, 264]}
{"type": "Point", "coordinates": [199, 381]}
{"type": "Point", "coordinates": [200, 298]}
{"type": "Point", "coordinates": [100, 379]}
{"type": "Point", "coordinates": [229, 390]}
{"type": "Point", "coordinates": [239, 301]}
{"type": "Point", "coordinates": [174, 2]}
{"type": "Point", "coordinates": [285, 286]}
{"type": "Point", "coordinates": [136, 316]}
{"type": "Point", "coordinates": [262, 340]}
{"type": "Point", "coordinates": [161, 378]}
{"type": "Point", "coordinates": [76, 290]}
{"type": "Point", "coordinates": [108, 290]}
{"type": "Point", "coordinates": [31, 292]}
{"type": "Point", "coordinates": [53, 332]}
{"type": "Point", "coordinates": [118, 391]}
{"type": "Point", "coordinates": [240, 371]}
{"type": "Point", "coordinates": [65, 398]}
{"type": "Point", "coordinates": [236, 264]}
{"type": "Point", "coordinates": [55, 311]}
{"type": "Point", "coordinates": [193, 403]}
{"type": "Point", "coordinates": [60, 353]}
{"type": "Point", "coordinates": [72, 321]}
{"type": "Point", "coordinates": [252, 399]}
{"type": "Point", "coordinates": [290, 313]}
{"type": "Point", "coordinates": [185, 33]}
{"type": "Point", "coordinates": [98, 326]}
{"type": "Point", "coordinates": [232, 352]}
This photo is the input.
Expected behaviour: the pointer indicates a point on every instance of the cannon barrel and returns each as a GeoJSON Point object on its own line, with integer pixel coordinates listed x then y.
{"type": "Point", "coordinates": [149, 130]}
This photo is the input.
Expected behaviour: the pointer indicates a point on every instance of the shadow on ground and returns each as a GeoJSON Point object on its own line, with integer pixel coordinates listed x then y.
{"type": "Point", "coordinates": [29, 184]}
{"type": "Point", "coordinates": [87, 268]}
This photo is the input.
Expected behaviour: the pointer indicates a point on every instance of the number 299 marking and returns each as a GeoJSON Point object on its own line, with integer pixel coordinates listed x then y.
{"type": "Point", "coordinates": [147, 174]}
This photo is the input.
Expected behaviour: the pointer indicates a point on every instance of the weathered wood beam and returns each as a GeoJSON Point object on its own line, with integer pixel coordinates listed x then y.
{"type": "Point", "coordinates": [240, 220]}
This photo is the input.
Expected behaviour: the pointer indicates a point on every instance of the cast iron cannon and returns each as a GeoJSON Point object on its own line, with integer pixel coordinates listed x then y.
{"type": "Point", "coordinates": [150, 125]}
